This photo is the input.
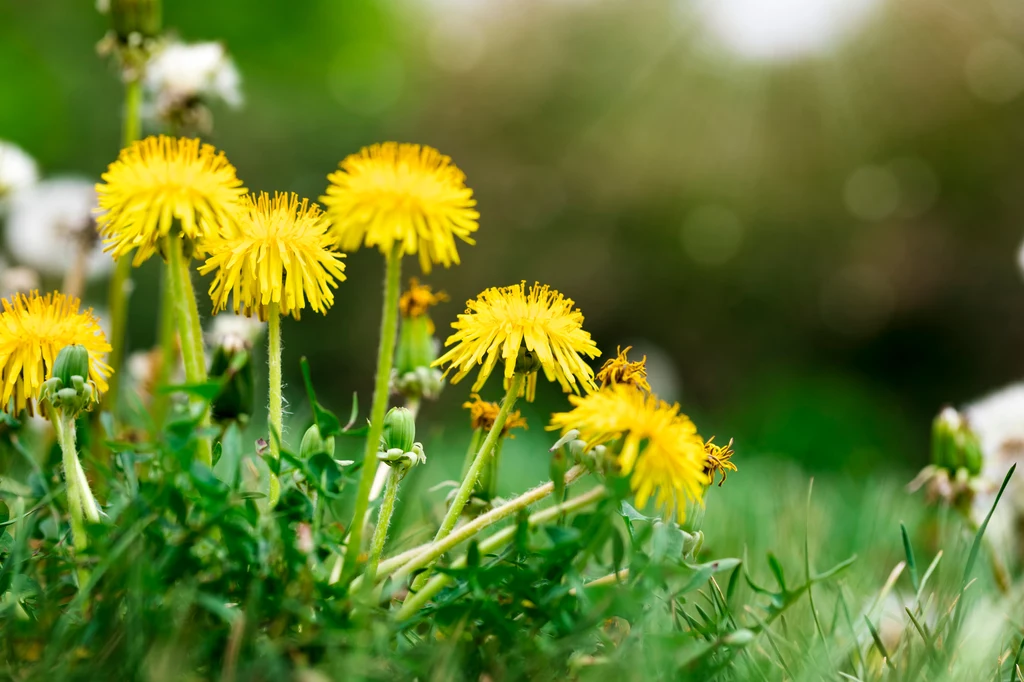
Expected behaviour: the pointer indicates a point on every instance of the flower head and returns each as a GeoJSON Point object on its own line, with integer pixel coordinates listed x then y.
{"type": "Point", "coordinates": [181, 73]}
{"type": "Point", "coordinates": [18, 170]}
{"type": "Point", "coordinates": [407, 195]}
{"type": "Point", "coordinates": [658, 447]}
{"type": "Point", "coordinates": [419, 298]}
{"type": "Point", "coordinates": [51, 222]}
{"type": "Point", "coordinates": [619, 370]}
{"type": "Point", "coordinates": [502, 321]}
{"type": "Point", "coordinates": [277, 251]}
{"type": "Point", "coordinates": [482, 415]}
{"type": "Point", "coordinates": [160, 179]}
{"type": "Point", "coordinates": [718, 460]}
{"type": "Point", "coordinates": [33, 330]}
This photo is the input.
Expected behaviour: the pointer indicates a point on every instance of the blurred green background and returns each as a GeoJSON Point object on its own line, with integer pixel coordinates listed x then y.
{"type": "Point", "coordinates": [806, 213]}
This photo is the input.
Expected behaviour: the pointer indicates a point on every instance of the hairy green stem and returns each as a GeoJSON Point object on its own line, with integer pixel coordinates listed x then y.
{"type": "Point", "coordinates": [168, 348]}
{"type": "Point", "coordinates": [381, 390]}
{"type": "Point", "coordinates": [482, 456]}
{"type": "Point", "coordinates": [275, 417]}
{"type": "Point", "coordinates": [65, 429]}
{"type": "Point", "coordinates": [189, 331]}
{"type": "Point", "coordinates": [418, 600]}
{"type": "Point", "coordinates": [380, 534]}
{"type": "Point", "coordinates": [435, 550]}
{"type": "Point", "coordinates": [120, 283]}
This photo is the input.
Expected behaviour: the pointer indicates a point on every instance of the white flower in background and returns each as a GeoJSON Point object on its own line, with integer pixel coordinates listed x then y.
{"type": "Point", "coordinates": [182, 75]}
{"type": "Point", "coordinates": [998, 422]}
{"type": "Point", "coordinates": [17, 280]}
{"type": "Point", "coordinates": [234, 332]}
{"type": "Point", "coordinates": [50, 222]}
{"type": "Point", "coordinates": [18, 170]}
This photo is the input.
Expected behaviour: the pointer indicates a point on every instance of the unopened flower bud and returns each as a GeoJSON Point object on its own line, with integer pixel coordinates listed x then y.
{"type": "Point", "coordinates": [314, 443]}
{"type": "Point", "coordinates": [130, 17]}
{"type": "Point", "coordinates": [71, 361]}
{"type": "Point", "coordinates": [528, 361]}
{"type": "Point", "coordinates": [954, 445]}
{"type": "Point", "coordinates": [399, 430]}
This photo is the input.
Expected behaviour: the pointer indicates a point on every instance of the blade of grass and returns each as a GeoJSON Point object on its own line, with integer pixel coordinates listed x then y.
{"type": "Point", "coordinates": [911, 563]}
{"type": "Point", "coordinates": [879, 645]}
{"type": "Point", "coordinates": [807, 568]}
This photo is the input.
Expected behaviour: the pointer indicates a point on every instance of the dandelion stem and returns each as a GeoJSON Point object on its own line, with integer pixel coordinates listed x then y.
{"type": "Point", "coordinates": [189, 331]}
{"type": "Point", "coordinates": [431, 552]}
{"type": "Point", "coordinates": [168, 349]}
{"type": "Point", "coordinates": [275, 418]}
{"type": "Point", "coordinates": [381, 389]}
{"type": "Point", "coordinates": [420, 598]}
{"type": "Point", "coordinates": [482, 457]}
{"type": "Point", "coordinates": [120, 283]}
{"type": "Point", "coordinates": [380, 534]}
{"type": "Point", "coordinates": [64, 426]}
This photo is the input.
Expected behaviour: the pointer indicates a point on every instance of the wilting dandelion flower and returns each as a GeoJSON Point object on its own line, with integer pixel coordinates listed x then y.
{"type": "Point", "coordinates": [619, 370]}
{"type": "Point", "coordinates": [18, 170]}
{"type": "Point", "coordinates": [659, 448]}
{"type": "Point", "coordinates": [501, 321]}
{"type": "Point", "coordinates": [482, 415]}
{"type": "Point", "coordinates": [277, 252]}
{"type": "Point", "coordinates": [407, 195]}
{"type": "Point", "coordinates": [54, 221]}
{"type": "Point", "coordinates": [33, 330]}
{"type": "Point", "coordinates": [718, 460]}
{"type": "Point", "coordinates": [418, 299]}
{"type": "Point", "coordinates": [160, 179]}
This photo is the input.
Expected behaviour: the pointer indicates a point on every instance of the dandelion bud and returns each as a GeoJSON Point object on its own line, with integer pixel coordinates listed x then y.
{"type": "Point", "coordinates": [72, 361]}
{"type": "Point", "coordinates": [528, 361]}
{"type": "Point", "coordinates": [954, 445]}
{"type": "Point", "coordinates": [314, 443]}
{"type": "Point", "coordinates": [131, 17]}
{"type": "Point", "coordinates": [399, 430]}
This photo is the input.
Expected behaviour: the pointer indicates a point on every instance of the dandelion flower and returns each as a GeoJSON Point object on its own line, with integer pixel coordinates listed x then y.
{"type": "Point", "coordinates": [277, 252]}
{"type": "Point", "coordinates": [181, 73]}
{"type": "Point", "coordinates": [33, 330]}
{"type": "Point", "coordinates": [407, 195]}
{"type": "Point", "coordinates": [418, 299]}
{"type": "Point", "coordinates": [482, 415]}
{"type": "Point", "coordinates": [18, 170]}
{"type": "Point", "coordinates": [160, 179]}
{"type": "Point", "coordinates": [718, 460]}
{"type": "Point", "coordinates": [501, 321]}
{"type": "Point", "coordinates": [619, 370]}
{"type": "Point", "coordinates": [53, 223]}
{"type": "Point", "coordinates": [659, 448]}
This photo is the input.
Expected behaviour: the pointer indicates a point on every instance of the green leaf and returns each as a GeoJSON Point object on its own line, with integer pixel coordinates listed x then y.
{"type": "Point", "coordinates": [205, 391]}
{"type": "Point", "coordinates": [226, 467]}
{"type": "Point", "coordinates": [911, 564]}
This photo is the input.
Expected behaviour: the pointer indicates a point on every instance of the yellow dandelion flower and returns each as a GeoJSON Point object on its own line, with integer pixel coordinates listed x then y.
{"type": "Point", "coordinates": [718, 459]}
{"type": "Point", "coordinates": [157, 180]}
{"type": "Point", "coordinates": [418, 299]}
{"type": "Point", "coordinates": [277, 251]}
{"type": "Point", "coordinates": [33, 330]}
{"type": "Point", "coordinates": [482, 415]}
{"type": "Point", "coordinates": [501, 321]}
{"type": "Point", "coordinates": [619, 370]}
{"type": "Point", "coordinates": [658, 447]}
{"type": "Point", "coordinates": [402, 194]}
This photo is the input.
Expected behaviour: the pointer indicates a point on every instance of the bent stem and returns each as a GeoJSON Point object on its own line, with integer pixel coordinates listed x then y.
{"type": "Point", "coordinates": [418, 600]}
{"type": "Point", "coordinates": [483, 455]}
{"type": "Point", "coordinates": [380, 534]}
{"type": "Point", "coordinates": [120, 283]}
{"type": "Point", "coordinates": [381, 390]}
{"type": "Point", "coordinates": [433, 551]}
{"type": "Point", "coordinates": [190, 332]}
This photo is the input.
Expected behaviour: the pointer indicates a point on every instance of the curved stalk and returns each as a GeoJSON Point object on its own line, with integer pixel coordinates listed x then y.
{"type": "Point", "coordinates": [418, 600]}
{"type": "Point", "coordinates": [380, 534]}
{"type": "Point", "coordinates": [381, 390]}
